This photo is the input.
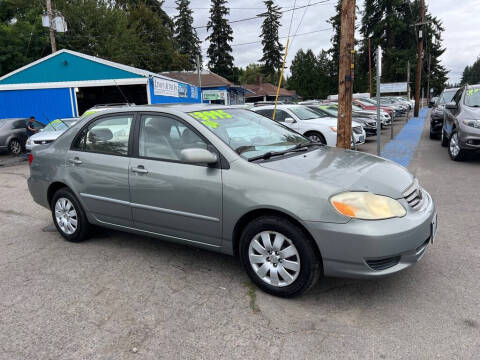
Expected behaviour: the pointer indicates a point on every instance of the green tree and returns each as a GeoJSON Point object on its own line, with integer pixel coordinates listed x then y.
{"type": "Point", "coordinates": [304, 74]}
{"type": "Point", "coordinates": [22, 37]}
{"type": "Point", "coordinates": [219, 51]}
{"type": "Point", "coordinates": [185, 35]}
{"type": "Point", "coordinates": [251, 73]}
{"type": "Point", "coordinates": [471, 73]}
{"type": "Point", "coordinates": [272, 49]}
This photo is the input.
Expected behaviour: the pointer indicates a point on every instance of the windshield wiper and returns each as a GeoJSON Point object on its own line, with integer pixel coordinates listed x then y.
{"type": "Point", "coordinates": [298, 147]}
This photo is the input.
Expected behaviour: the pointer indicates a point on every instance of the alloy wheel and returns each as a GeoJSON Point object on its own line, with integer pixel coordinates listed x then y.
{"type": "Point", "coordinates": [15, 147]}
{"type": "Point", "coordinates": [454, 145]}
{"type": "Point", "coordinates": [315, 138]}
{"type": "Point", "coordinates": [274, 258]}
{"type": "Point", "coordinates": [66, 216]}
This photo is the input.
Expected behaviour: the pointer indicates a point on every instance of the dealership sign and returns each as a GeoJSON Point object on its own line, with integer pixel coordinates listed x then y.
{"type": "Point", "coordinates": [162, 87]}
{"type": "Point", "coordinates": [213, 94]}
{"type": "Point", "coordinates": [398, 87]}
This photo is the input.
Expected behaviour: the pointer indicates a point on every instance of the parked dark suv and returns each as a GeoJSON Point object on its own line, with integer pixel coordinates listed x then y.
{"type": "Point", "coordinates": [436, 117]}
{"type": "Point", "coordinates": [13, 134]}
{"type": "Point", "coordinates": [461, 126]}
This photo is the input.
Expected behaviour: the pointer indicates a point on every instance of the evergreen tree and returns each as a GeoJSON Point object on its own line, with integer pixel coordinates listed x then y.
{"type": "Point", "coordinates": [471, 74]}
{"type": "Point", "coordinates": [304, 78]}
{"type": "Point", "coordinates": [219, 51]}
{"type": "Point", "coordinates": [272, 49]}
{"type": "Point", "coordinates": [185, 35]}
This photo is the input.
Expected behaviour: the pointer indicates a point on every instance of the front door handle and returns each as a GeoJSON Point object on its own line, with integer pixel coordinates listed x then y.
{"type": "Point", "coordinates": [139, 169]}
{"type": "Point", "coordinates": [76, 161]}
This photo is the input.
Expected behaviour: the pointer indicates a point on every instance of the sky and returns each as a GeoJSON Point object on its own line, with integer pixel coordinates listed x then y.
{"type": "Point", "coordinates": [314, 32]}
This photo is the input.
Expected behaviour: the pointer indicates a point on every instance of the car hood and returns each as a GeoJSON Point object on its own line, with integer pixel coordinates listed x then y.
{"type": "Point", "coordinates": [46, 135]}
{"type": "Point", "coordinates": [347, 171]}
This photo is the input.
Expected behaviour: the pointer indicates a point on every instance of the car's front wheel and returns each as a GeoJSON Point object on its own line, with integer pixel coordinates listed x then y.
{"type": "Point", "coordinates": [15, 147]}
{"type": "Point", "coordinates": [279, 257]}
{"type": "Point", "coordinates": [454, 149]}
{"type": "Point", "coordinates": [316, 137]}
{"type": "Point", "coordinates": [68, 216]}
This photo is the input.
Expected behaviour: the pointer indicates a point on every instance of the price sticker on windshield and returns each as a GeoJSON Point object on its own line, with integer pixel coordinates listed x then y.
{"type": "Point", "coordinates": [210, 115]}
{"type": "Point", "coordinates": [470, 92]}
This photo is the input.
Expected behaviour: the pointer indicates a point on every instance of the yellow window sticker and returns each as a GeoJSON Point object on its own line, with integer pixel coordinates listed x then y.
{"type": "Point", "coordinates": [210, 124]}
{"type": "Point", "coordinates": [470, 92]}
{"type": "Point", "coordinates": [210, 115]}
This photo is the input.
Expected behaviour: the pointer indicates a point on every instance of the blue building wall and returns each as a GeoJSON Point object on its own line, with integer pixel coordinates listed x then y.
{"type": "Point", "coordinates": [67, 67]}
{"type": "Point", "coordinates": [191, 98]}
{"type": "Point", "coordinates": [44, 104]}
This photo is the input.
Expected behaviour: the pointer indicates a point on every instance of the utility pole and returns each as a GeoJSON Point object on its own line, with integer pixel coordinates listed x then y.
{"type": "Point", "coordinates": [428, 77]}
{"type": "Point", "coordinates": [370, 67]}
{"type": "Point", "coordinates": [418, 79]}
{"type": "Point", "coordinates": [379, 76]}
{"type": "Point", "coordinates": [408, 79]}
{"type": "Point", "coordinates": [52, 31]}
{"type": "Point", "coordinates": [199, 78]}
{"type": "Point", "coordinates": [345, 74]}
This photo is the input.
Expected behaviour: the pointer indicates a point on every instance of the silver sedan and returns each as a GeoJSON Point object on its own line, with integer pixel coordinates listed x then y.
{"type": "Point", "coordinates": [232, 181]}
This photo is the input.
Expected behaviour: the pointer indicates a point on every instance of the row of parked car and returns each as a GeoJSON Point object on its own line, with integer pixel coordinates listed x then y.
{"type": "Point", "coordinates": [316, 119]}
{"type": "Point", "coordinates": [455, 120]}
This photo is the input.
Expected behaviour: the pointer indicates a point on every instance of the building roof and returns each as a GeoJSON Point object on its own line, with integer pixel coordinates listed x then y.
{"type": "Point", "coordinates": [267, 89]}
{"type": "Point", "coordinates": [209, 79]}
{"type": "Point", "coordinates": [70, 68]}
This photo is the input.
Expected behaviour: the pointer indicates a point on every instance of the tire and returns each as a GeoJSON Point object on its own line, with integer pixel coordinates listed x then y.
{"type": "Point", "coordinates": [433, 136]}
{"type": "Point", "coordinates": [62, 201]}
{"type": "Point", "coordinates": [316, 137]}
{"type": "Point", "coordinates": [15, 147]}
{"type": "Point", "coordinates": [259, 258]}
{"type": "Point", "coordinates": [454, 149]}
{"type": "Point", "coordinates": [443, 139]}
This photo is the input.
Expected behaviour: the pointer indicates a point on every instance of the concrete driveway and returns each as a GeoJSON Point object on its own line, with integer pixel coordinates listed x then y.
{"type": "Point", "coordinates": [119, 296]}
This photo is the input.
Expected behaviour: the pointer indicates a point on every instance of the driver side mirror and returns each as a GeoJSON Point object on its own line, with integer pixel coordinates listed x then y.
{"type": "Point", "coordinates": [289, 120]}
{"type": "Point", "coordinates": [452, 105]}
{"type": "Point", "coordinates": [198, 156]}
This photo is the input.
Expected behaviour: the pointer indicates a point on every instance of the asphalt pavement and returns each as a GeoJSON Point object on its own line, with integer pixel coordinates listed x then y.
{"type": "Point", "coordinates": [119, 296]}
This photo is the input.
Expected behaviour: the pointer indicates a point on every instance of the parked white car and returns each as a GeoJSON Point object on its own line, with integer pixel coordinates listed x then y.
{"type": "Point", "coordinates": [49, 133]}
{"type": "Point", "coordinates": [309, 123]}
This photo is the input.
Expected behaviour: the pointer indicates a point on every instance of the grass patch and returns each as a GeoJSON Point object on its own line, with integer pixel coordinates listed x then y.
{"type": "Point", "coordinates": [253, 296]}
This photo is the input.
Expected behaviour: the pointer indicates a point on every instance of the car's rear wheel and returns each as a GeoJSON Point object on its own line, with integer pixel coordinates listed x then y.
{"type": "Point", "coordinates": [279, 257]}
{"type": "Point", "coordinates": [15, 147]}
{"type": "Point", "coordinates": [454, 149]}
{"type": "Point", "coordinates": [317, 137]}
{"type": "Point", "coordinates": [68, 216]}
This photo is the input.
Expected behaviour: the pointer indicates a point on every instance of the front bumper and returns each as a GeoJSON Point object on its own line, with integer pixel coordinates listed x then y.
{"type": "Point", "coordinates": [347, 249]}
{"type": "Point", "coordinates": [470, 138]}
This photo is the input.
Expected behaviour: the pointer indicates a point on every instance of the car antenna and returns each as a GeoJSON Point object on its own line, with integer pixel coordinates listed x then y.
{"type": "Point", "coordinates": [121, 92]}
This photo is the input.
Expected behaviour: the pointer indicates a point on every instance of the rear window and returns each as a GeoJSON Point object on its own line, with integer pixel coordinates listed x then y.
{"type": "Point", "coordinates": [472, 97]}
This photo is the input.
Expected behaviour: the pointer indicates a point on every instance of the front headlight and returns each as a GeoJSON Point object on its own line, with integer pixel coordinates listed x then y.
{"type": "Point", "coordinates": [367, 206]}
{"type": "Point", "coordinates": [472, 123]}
{"type": "Point", "coordinates": [333, 128]}
{"type": "Point", "coordinates": [29, 141]}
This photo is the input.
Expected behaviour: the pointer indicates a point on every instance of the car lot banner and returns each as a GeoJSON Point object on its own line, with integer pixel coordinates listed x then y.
{"type": "Point", "coordinates": [399, 87]}
{"type": "Point", "coordinates": [162, 87]}
{"type": "Point", "coordinates": [213, 94]}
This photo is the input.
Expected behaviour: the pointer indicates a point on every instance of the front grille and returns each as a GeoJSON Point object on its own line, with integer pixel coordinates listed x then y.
{"type": "Point", "coordinates": [357, 130]}
{"type": "Point", "coordinates": [384, 263]}
{"type": "Point", "coordinates": [43, 142]}
{"type": "Point", "coordinates": [414, 195]}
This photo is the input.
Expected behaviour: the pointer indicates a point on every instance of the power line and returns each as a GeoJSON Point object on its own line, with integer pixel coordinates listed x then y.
{"type": "Point", "coordinates": [281, 37]}
{"type": "Point", "coordinates": [300, 23]}
{"type": "Point", "coordinates": [259, 16]}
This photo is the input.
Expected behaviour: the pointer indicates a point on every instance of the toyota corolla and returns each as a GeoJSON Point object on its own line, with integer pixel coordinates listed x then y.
{"type": "Point", "coordinates": [232, 181]}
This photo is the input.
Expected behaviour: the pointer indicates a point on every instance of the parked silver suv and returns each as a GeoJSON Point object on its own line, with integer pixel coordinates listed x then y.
{"type": "Point", "coordinates": [230, 180]}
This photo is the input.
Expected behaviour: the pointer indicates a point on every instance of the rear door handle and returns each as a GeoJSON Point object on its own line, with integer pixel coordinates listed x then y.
{"type": "Point", "coordinates": [139, 169]}
{"type": "Point", "coordinates": [76, 161]}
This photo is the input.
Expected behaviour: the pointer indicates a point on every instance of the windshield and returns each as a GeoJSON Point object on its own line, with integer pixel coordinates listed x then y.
{"type": "Point", "coordinates": [330, 110]}
{"type": "Point", "coordinates": [303, 113]}
{"type": "Point", "coordinates": [446, 97]}
{"type": "Point", "coordinates": [249, 134]}
{"type": "Point", "coordinates": [472, 97]}
{"type": "Point", "coordinates": [59, 125]}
